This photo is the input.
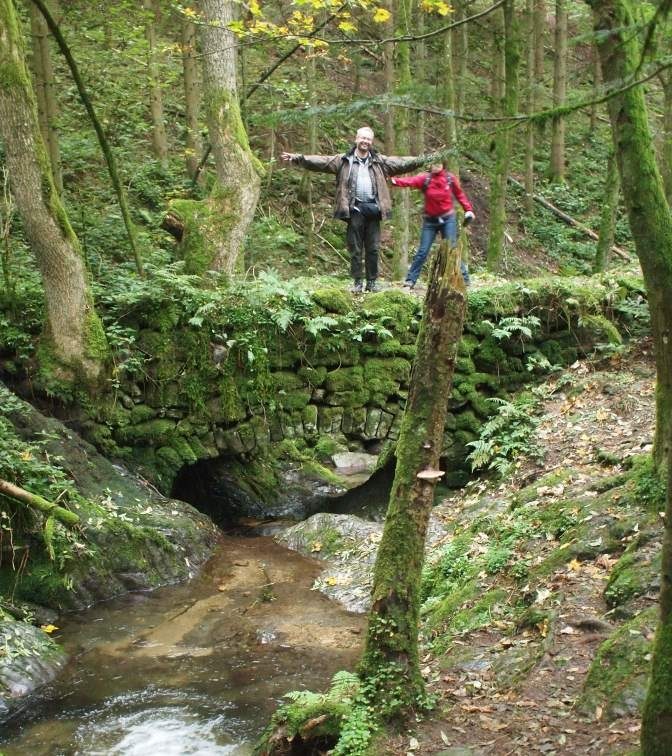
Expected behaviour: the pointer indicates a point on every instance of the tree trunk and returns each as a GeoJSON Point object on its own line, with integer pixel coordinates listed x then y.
{"type": "Point", "coordinates": [460, 59]}
{"type": "Point", "coordinates": [388, 73]}
{"type": "Point", "coordinates": [448, 102]}
{"type": "Point", "coordinates": [159, 138]}
{"type": "Point", "coordinates": [651, 225]}
{"type": "Point", "coordinates": [192, 99]}
{"type": "Point", "coordinates": [559, 92]}
{"type": "Point", "coordinates": [531, 107]}
{"type": "Point", "coordinates": [503, 140]}
{"type": "Point", "coordinates": [224, 222]}
{"type": "Point", "coordinates": [102, 139]}
{"type": "Point", "coordinates": [666, 151]}
{"type": "Point", "coordinates": [74, 342]}
{"type": "Point", "coordinates": [390, 665]}
{"type": "Point", "coordinates": [597, 82]}
{"type": "Point", "coordinates": [605, 241]}
{"type": "Point", "coordinates": [47, 107]}
{"type": "Point", "coordinates": [401, 227]}
{"type": "Point", "coordinates": [644, 195]}
{"type": "Point", "coordinates": [420, 76]}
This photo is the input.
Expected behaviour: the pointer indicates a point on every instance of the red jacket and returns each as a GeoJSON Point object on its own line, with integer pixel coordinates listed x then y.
{"type": "Point", "coordinates": [438, 194]}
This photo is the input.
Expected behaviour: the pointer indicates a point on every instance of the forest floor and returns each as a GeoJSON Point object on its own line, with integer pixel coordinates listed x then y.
{"type": "Point", "coordinates": [610, 410]}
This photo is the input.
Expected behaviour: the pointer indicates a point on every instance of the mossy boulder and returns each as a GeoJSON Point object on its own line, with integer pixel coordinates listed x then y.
{"type": "Point", "coordinates": [30, 659]}
{"type": "Point", "coordinates": [333, 300]}
{"type": "Point", "coordinates": [617, 678]}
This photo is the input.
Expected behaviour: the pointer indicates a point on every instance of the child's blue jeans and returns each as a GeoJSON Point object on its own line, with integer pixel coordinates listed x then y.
{"type": "Point", "coordinates": [447, 225]}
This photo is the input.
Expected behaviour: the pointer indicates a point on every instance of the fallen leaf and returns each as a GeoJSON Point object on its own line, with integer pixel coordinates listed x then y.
{"type": "Point", "coordinates": [598, 713]}
{"type": "Point", "coordinates": [445, 738]}
{"type": "Point", "coordinates": [413, 744]}
{"type": "Point", "coordinates": [48, 628]}
{"type": "Point", "coordinates": [542, 595]}
{"type": "Point", "coordinates": [317, 546]}
{"type": "Point", "coordinates": [574, 565]}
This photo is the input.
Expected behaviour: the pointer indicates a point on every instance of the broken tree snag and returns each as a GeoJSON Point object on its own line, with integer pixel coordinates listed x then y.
{"type": "Point", "coordinates": [37, 502]}
{"type": "Point", "coordinates": [174, 225]}
{"type": "Point", "coordinates": [390, 664]}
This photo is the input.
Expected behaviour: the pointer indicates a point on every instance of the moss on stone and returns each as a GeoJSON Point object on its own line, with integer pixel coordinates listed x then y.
{"type": "Point", "coordinates": [158, 432]}
{"type": "Point", "coordinates": [617, 677]}
{"type": "Point", "coordinates": [312, 376]}
{"type": "Point", "coordinates": [345, 379]}
{"type": "Point", "coordinates": [633, 575]}
{"type": "Point", "coordinates": [333, 300]}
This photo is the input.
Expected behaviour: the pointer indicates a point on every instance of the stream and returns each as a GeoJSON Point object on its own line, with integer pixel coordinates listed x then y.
{"type": "Point", "coordinates": [195, 668]}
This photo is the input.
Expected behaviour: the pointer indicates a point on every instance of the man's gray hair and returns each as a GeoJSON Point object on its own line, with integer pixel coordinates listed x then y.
{"type": "Point", "coordinates": [365, 128]}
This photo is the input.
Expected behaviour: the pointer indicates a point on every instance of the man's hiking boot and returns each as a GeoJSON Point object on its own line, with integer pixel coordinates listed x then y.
{"type": "Point", "coordinates": [356, 287]}
{"type": "Point", "coordinates": [372, 286]}
{"type": "Point", "coordinates": [408, 285]}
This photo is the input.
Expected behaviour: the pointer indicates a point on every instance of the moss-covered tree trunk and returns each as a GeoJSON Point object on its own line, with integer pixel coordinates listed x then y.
{"type": "Point", "coordinates": [648, 211]}
{"type": "Point", "coordinates": [74, 342]}
{"type": "Point", "coordinates": [401, 211]}
{"type": "Point", "coordinates": [47, 107]}
{"type": "Point", "coordinates": [605, 241]}
{"type": "Point", "coordinates": [449, 103]}
{"type": "Point", "coordinates": [666, 136]}
{"type": "Point", "coordinates": [224, 222]}
{"type": "Point", "coordinates": [651, 225]}
{"type": "Point", "coordinates": [559, 92]}
{"type": "Point", "coordinates": [503, 143]}
{"type": "Point", "coordinates": [159, 137]}
{"type": "Point", "coordinates": [192, 99]}
{"type": "Point", "coordinates": [390, 665]}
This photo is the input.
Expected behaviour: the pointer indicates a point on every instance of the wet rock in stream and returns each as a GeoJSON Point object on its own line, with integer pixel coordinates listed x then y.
{"type": "Point", "coordinates": [349, 544]}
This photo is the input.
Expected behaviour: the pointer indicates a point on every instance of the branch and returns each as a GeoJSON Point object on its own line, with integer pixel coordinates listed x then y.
{"type": "Point", "coordinates": [289, 54]}
{"type": "Point", "coordinates": [556, 211]}
{"type": "Point", "coordinates": [37, 502]}
{"type": "Point", "coordinates": [102, 139]}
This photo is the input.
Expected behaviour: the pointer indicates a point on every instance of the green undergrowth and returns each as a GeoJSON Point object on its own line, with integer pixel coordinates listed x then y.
{"type": "Point", "coordinates": [339, 721]}
{"type": "Point", "coordinates": [494, 574]}
{"type": "Point", "coordinates": [120, 532]}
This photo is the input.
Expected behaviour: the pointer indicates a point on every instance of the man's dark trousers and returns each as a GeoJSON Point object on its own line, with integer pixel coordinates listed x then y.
{"type": "Point", "coordinates": [363, 233]}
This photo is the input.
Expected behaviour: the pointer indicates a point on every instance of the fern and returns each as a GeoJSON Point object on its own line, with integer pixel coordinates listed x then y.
{"type": "Point", "coordinates": [506, 435]}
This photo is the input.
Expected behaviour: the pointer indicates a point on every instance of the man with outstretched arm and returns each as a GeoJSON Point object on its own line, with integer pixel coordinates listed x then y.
{"type": "Point", "coordinates": [362, 197]}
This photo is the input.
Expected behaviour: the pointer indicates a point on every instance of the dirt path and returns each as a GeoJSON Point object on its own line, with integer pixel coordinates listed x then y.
{"type": "Point", "coordinates": [590, 416]}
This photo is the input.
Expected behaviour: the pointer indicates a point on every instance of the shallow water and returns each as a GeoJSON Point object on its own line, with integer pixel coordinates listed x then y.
{"type": "Point", "coordinates": [196, 668]}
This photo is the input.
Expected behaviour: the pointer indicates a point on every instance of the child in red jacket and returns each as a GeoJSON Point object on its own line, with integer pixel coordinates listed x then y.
{"type": "Point", "coordinates": [439, 188]}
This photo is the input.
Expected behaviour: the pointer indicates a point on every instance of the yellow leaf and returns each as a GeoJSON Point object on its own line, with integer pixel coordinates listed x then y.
{"type": "Point", "coordinates": [26, 456]}
{"type": "Point", "coordinates": [439, 7]}
{"type": "Point", "coordinates": [347, 26]}
{"type": "Point", "coordinates": [255, 10]}
{"type": "Point", "coordinates": [574, 565]}
{"type": "Point", "coordinates": [317, 546]}
{"type": "Point", "coordinates": [381, 16]}
{"type": "Point", "coordinates": [48, 628]}
{"type": "Point", "coordinates": [331, 581]}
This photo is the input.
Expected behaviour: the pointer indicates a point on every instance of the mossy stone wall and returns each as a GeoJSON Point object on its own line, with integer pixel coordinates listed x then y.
{"type": "Point", "coordinates": [245, 381]}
